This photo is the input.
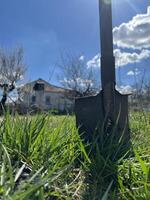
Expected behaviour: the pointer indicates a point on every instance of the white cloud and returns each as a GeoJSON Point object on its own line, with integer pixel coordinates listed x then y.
{"type": "Point", "coordinates": [94, 62]}
{"type": "Point", "coordinates": [125, 58]}
{"type": "Point", "coordinates": [81, 58]}
{"type": "Point", "coordinates": [134, 34]}
{"type": "Point", "coordinates": [121, 58]}
{"type": "Point", "coordinates": [125, 89]}
{"type": "Point", "coordinates": [133, 73]}
{"type": "Point", "coordinates": [81, 82]}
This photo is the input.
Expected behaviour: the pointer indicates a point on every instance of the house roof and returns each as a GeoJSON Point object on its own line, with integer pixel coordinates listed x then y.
{"type": "Point", "coordinates": [47, 88]}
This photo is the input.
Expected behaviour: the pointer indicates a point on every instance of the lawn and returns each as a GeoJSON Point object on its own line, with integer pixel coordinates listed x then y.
{"type": "Point", "coordinates": [43, 157]}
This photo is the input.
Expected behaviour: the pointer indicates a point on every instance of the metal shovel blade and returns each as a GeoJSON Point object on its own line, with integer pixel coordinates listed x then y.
{"type": "Point", "coordinates": [91, 116]}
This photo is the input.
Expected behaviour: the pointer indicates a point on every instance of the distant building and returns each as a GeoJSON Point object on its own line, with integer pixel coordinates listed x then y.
{"type": "Point", "coordinates": [43, 95]}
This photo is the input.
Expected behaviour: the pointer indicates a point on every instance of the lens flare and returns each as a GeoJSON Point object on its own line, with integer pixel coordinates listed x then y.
{"type": "Point", "coordinates": [117, 3]}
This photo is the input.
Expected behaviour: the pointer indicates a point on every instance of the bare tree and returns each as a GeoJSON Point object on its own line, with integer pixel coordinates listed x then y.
{"type": "Point", "coordinates": [12, 70]}
{"type": "Point", "coordinates": [140, 97]}
{"type": "Point", "coordinates": [76, 76]}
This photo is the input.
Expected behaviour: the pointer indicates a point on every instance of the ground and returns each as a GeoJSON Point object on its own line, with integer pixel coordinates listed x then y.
{"type": "Point", "coordinates": [43, 157]}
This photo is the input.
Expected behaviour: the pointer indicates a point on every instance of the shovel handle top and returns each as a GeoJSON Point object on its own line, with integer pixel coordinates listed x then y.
{"type": "Point", "coordinates": [106, 40]}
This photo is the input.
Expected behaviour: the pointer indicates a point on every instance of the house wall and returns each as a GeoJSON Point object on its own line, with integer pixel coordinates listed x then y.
{"type": "Point", "coordinates": [48, 100]}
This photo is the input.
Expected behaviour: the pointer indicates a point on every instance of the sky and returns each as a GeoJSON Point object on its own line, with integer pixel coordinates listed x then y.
{"type": "Point", "coordinates": [47, 28]}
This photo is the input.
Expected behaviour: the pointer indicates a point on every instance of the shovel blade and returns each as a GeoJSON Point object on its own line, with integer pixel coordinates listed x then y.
{"type": "Point", "coordinates": [91, 116]}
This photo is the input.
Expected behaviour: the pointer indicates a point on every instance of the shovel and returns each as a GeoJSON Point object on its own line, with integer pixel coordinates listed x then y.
{"type": "Point", "coordinates": [109, 108]}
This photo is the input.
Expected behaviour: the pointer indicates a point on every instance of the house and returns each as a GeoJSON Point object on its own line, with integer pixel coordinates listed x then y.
{"type": "Point", "coordinates": [43, 95]}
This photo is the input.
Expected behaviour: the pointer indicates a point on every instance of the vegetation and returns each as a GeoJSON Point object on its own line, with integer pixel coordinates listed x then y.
{"type": "Point", "coordinates": [78, 77]}
{"type": "Point", "coordinates": [12, 70]}
{"type": "Point", "coordinates": [43, 157]}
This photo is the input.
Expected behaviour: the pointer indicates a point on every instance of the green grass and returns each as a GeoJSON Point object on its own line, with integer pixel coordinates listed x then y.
{"type": "Point", "coordinates": [43, 157]}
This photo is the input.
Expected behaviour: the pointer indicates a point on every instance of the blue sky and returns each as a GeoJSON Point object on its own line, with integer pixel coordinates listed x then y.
{"type": "Point", "coordinates": [46, 28]}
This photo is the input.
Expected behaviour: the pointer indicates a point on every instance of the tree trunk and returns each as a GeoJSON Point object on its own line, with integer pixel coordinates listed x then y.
{"type": "Point", "coordinates": [3, 103]}
{"type": "Point", "coordinates": [6, 90]}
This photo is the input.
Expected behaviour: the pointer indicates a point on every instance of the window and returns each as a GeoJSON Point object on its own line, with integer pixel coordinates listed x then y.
{"type": "Point", "coordinates": [39, 87]}
{"type": "Point", "coordinates": [47, 100]}
{"type": "Point", "coordinates": [33, 99]}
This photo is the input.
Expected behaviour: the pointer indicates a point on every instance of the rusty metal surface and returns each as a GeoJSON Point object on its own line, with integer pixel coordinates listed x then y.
{"type": "Point", "coordinates": [89, 113]}
{"type": "Point", "coordinates": [91, 116]}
